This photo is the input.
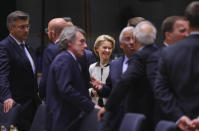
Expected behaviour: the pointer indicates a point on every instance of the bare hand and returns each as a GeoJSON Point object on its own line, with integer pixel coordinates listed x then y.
{"type": "Point", "coordinates": [96, 84]}
{"type": "Point", "coordinates": [100, 113]}
{"type": "Point", "coordinates": [195, 124]}
{"type": "Point", "coordinates": [185, 124]}
{"type": "Point", "coordinates": [97, 107]}
{"type": "Point", "coordinates": [7, 104]}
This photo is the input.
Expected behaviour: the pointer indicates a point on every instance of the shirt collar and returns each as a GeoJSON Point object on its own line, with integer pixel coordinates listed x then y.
{"type": "Point", "coordinates": [141, 47]}
{"type": "Point", "coordinates": [57, 41]}
{"type": "Point", "coordinates": [125, 59]}
{"type": "Point", "coordinates": [194, 33]}
{"type": "Point", "coordinates": [165, 44]}
{"type": "Point", "coordinates": [72, 54]}
{"type": "Point", "coordinates": [19, 43]}
{"type": "Point", "coordinates": [98, 64]}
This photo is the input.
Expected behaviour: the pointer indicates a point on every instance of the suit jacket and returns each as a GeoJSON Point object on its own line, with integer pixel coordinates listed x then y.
{"type": "Point", "coordinates": [49, 54]}
{"type": "Point", "coordinates": [113, 78]}
{"type": "Point", "coordinates": [67, 94]}
{"type": "Point", "coordinates": [17, 79]}
{"type": "Point", "coordinates": [112, 120]}
{"type": "Point", "coordinates": [176, 86]}
{"type": "Point", "coordinates": [135, 85]}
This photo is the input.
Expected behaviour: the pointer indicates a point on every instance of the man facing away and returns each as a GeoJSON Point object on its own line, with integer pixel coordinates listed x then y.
{"type": "Point", "coordinates": [18, 81]}
{"type": "Point", "coordinates": [55, 26]}
{"type": "Point", "coordinates": [176, 85]}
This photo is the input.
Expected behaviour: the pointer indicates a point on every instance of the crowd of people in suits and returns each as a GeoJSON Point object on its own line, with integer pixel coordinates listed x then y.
{"type": "Point", "coordinates": [157, 80]}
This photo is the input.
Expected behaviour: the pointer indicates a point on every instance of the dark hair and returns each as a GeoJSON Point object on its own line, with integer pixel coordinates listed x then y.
{"type": "Point", "coordinates": [134, 21]}
{"type": "Point", "coordinates": [192, 13]}
{"type": "Point", "coordinates": [67, 19]}
{"type": "Point", "coordinates": [167, 24]}
{"type": "Point", "coordinates": [68, 34]}
{"type": "Point", "coordinates": [16, 15]}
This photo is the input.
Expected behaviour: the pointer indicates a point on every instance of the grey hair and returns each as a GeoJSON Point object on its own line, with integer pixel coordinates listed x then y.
{"type": "Point", "coordinates": [68, 34]}
{"type": "Point", "coordinates": [143, 36]}
{"type": "Point", "coordinates": [16, 15]}
{"type": "Point", "coordinates": [125, 29]}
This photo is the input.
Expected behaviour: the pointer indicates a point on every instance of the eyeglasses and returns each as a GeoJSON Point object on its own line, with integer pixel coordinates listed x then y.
{"type": "Point", "coordinates": [22, 27]}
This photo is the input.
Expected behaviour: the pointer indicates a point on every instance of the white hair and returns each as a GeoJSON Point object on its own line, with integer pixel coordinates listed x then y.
{"type": "Point", "coordinates": [124, 30]}
{"type": "Point", "coordinates": [145, 36]}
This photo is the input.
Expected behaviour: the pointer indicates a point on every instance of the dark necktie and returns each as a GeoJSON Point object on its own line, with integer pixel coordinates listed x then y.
{"type": "Point", "coordinates": [23, 48]}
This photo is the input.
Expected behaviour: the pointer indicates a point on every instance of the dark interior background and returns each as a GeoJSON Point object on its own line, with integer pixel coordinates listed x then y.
{"type": "Point", "coordinates": [96, 17]}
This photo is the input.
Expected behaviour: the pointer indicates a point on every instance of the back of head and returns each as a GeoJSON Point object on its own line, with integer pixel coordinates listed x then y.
{"type": "Point", "coordinates": [68, 34]}
{"type": "Point", "coordinates": [168, 23]}
{"type": "Point", "coordinates": [57, 25]}
{"type": "Point", "coordinates": [134, 21]}
{"type": "Point", "coordinates": [145, 33]}
{"type": "Point", "coordinates": [192, 14]}
{"type": "Point", "coordinates": [16, 15]}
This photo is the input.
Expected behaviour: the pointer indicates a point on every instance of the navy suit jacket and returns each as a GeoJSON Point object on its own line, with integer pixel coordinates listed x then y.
{"type": "Point", "coordinates": [135, 85]}
{"type": "Point", "coordinates": [17, 79]}
{"type": "Point", "coordinates": [67, 94]}
{"type": "Point", "coordinates": [176, 86]}
{"type": "Point", "coordinates": [113, 78]}
{"type": "Point", "coordinates": [49, 54]}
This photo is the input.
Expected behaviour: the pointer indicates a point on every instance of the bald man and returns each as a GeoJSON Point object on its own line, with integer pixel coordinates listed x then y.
{"type": "Point", "coordinates": [55, 26]}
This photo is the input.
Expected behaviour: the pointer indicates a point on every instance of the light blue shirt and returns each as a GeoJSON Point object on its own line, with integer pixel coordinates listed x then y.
{"type": "Point", "coordinates": [125, 64]}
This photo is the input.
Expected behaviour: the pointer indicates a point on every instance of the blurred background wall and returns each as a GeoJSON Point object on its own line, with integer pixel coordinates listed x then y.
{"type": "Point", "coordinates": [96, 17]}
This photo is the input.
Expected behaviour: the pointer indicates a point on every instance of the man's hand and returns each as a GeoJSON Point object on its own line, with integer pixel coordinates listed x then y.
{"type": "Point", "coordinates": [100, 113]}
{"type": "Point", "coordinates": [97, 107]}
{"type": "Point", "coordinates": [96, 84]}
{"type": "Point", "coordinates": [7, 104]}
{"type": "Point", "coordinates": [184, 124]}
{"type": "Point", "coordinates": [195, 124]}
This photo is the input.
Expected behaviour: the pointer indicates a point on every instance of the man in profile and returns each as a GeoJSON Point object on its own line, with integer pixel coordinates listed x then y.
{"type": "Point", "coordinates": [174, 29]}
{"type": "Point", "coordinates": [67, 94]}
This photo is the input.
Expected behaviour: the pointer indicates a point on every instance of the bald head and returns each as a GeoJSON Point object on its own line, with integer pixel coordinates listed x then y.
{"type": "Point", "coordinates": [145, 33]}
{"type": "Point", "coordinates": [55, 27]}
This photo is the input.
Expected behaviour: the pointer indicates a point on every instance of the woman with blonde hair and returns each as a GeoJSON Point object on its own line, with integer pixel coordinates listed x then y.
{"type": "Point", "coordinates": [103, 48]}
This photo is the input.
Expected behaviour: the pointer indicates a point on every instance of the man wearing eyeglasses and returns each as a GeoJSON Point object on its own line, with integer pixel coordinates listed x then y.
{"type": "Point", "coordinates": [18, 82]}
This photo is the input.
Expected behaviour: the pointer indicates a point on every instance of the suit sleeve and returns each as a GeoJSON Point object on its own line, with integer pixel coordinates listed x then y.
{"type": "Point", "coordinates": [4, 72]}
{"type": "Point", "coordinates": [46, 62]}
{"type": "Point", "coordinates": [134, 71]}
{"type": "Point", "coordinates": [163, 93]}
{"type": "Point", "coordinates": [106, 89]}
{"type": "Point", "coordinates": [64, 82]}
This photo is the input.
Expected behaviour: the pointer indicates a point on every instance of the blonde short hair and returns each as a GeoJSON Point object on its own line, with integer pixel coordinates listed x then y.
{"type": "Point", "coordinates": [101, 39]}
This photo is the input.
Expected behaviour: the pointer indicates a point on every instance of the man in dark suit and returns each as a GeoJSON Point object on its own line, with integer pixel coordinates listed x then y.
{"type": "Point", "coordinates": [67, 95]}
{"type": "Point", "coordinates": [112, 120]}
{"type": "Point", "coordinates": [176, 86]}
{"type": "Point", "coordinates": [18, 81]}
{"type": "Point", "coordinates": [134, 83]}
{"type": "Point", "coordinates": [55, 26]}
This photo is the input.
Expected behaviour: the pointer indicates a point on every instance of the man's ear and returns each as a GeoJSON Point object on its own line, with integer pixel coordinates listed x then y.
{"type": "Point", "coordinates": [121, 45]}
{"type": "Point", "coordinates": [167, 35]}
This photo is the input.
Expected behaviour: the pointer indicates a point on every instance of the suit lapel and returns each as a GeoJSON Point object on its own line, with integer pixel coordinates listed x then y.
{"type": "Point", "coordinates": [16, 48]}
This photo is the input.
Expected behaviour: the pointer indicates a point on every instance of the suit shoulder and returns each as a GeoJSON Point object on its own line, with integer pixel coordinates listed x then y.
{"type": "Point", "coordinates": [116, 61]}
